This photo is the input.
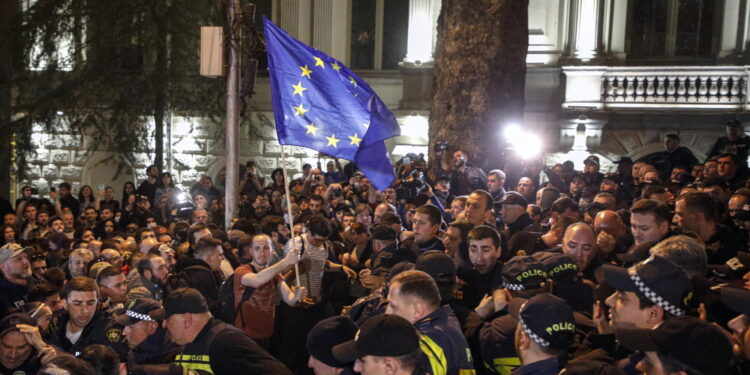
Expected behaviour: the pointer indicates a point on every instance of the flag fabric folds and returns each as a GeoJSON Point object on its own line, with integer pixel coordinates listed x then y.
{"type": "Point", "coordinates": [319, 103]}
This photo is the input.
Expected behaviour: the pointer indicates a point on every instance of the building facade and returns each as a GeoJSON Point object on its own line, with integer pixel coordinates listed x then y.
{"type": "Point", "coordinates": [609, 77]}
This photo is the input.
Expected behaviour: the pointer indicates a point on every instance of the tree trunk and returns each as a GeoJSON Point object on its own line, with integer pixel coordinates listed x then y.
{"type": "Point", "coordinates": [480, 76]}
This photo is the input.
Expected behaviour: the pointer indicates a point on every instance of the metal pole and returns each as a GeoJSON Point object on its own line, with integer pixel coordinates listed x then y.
{"type": "Point", "coordinates": [232, 130]}
{"type": "Point", "coordinates": [289, 209]}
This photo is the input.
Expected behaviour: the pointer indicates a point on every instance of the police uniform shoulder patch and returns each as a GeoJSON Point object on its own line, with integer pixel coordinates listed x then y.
{"type": "Point", "coordinates": [113, 334]}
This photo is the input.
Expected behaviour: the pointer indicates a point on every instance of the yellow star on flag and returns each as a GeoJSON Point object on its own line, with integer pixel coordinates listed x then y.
{"type": "Point", "coordinates": [351, 79]}
{"type": "Point", "coordinates": [305, 71]}
{"type": "Point", "coordinates": [332, 141]}
{"type": "Point", "coordinates": [355, 140]}
{"type": "Point", "coordinates": [298, 89]}
{"type": "Point", "coordinates": [319, 62]}
{"type": "Point", "coordinates": [335, 66]}
{"type": "Point", "coordinates": [311, 129]}
{"type": "Point", "coordinates": [300, 110]}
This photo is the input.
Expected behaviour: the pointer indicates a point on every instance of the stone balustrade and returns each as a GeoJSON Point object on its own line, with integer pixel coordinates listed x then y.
{"type": "Point", "coordinates": [657, 88]}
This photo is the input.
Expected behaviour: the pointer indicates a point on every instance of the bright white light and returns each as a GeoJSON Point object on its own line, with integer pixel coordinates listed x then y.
{"type": "Point", "coordinates": [59, 113]}
{"type": "Point", "coordinates": [512, 133]}
{"type": "Point", "coordinates": [528, 146]}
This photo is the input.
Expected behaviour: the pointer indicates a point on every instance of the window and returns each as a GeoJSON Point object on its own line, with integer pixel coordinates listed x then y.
{"type": "Point", "coordinates": [673, 29]}
{"type": "Point", "coordinates": [379, 33]}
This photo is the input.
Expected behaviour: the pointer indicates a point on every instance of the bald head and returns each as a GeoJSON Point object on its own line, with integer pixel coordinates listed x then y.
{"type": "Point", "coordinates": [579, 242]}
{"type": "Point", "coordinates": [610, 222]}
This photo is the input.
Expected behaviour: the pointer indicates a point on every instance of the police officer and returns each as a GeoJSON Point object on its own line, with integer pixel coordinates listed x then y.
{"type": "Point", "coordinates": [84, 322]}
{"type": "Point", "coordinates": [414, 296]}
{"type": "Point", "coordinates": [322, 338]}
{"type": "Point", "coordinates": [545, 329]}
{"type": "Point", "coordinates": [523, 276]}
{"type": "Point", "coordinates": [385, 344]}
{"type": "Point", "coordinates": [148, 341]}
{"type": "Point", "coordinates": [209, 344]}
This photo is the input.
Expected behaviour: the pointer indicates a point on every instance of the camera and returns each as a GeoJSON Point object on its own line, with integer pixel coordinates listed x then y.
{"type": "Point", "coordinates": [411, 182]}
{"type": "Point", "coordinates": [338, 193]}
{"type": "Point", "coordinates": [441, 146]}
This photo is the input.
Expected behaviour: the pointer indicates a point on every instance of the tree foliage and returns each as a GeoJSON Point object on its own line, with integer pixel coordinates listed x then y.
{"type": "Point", "coordinates": [109, 69]}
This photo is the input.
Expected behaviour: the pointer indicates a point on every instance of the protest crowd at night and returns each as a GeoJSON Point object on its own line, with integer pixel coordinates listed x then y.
{"type": "Point", "coordinates": [372, 267]}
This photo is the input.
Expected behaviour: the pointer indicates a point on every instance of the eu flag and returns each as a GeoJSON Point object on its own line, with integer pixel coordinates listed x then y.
{"type": "Point", "coordinates": [321, 104]}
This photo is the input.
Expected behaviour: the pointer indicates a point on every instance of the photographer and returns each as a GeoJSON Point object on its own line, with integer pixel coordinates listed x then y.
{"type": "Point", "coordinates": [464, 177]}
{"type": "Point", "coordinates": [252, 181]}
{"type": "Point", "coordinates": [410, 178]}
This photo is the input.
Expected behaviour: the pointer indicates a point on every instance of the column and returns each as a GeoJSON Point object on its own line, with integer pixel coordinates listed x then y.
{"type": "Point", "coordinates": [416, 68]}
{"type": "Point", "coordinates": [422, 25]}
{"type": "Point", "coordinates": [585, 30]}
{"type": "Point", "coordinates": [615, 30]}
{"type": "Point", "coordinates": [295, 18]}
{"type": "Point", "coordinates": [331, 19]}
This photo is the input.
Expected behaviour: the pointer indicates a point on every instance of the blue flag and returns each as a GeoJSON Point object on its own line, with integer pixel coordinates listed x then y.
{"type": "Point", "coordinates": [321, 104]}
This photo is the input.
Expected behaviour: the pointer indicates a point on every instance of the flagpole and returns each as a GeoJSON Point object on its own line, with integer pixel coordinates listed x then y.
{"type": "Point", "coordinates": [289, 210]}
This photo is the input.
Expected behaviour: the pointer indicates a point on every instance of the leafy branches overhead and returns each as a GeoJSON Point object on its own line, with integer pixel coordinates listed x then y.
{"type": "Point", "coordinates": [111, 68]}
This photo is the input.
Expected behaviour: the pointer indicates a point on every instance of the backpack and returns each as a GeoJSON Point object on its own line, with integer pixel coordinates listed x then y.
{"type": "Point", "coordinates": [227, 310]}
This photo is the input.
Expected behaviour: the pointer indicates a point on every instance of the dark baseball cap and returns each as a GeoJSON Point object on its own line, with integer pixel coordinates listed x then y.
{"type": "Point", "coordinates": [384, 233]}
{"type": "Point", "coordinates": [437, 264]}
{"type": "Point", "coordinates": [381, 336]}
{"type": "Point", "coordinates": [547, 319]}
{"type": "Point", "coordinates": [328, 333]}
{"type": "Point", "coordinates": [657, 279]}
{"type": "Point", "coordinates": [734, 268]}
{"type": "Point", "coordinates": [558, 266]}
{"type": "Point", "coordinates": [523, 273]}
{"type": "Point", "coordinates": [142, 309]}
{"type": "Point", "coordinates": [698, 344]}
{"type": "Point", "coordinates": [515, 199]}
{"type": "Point", "coordinates": [182, 301]}
{"type": "Point", "coordinates": [8, 324]}
{"type": "Point", "coordinates": [592, 159]}
{"type": "Point", "coordinates": [736, 299]}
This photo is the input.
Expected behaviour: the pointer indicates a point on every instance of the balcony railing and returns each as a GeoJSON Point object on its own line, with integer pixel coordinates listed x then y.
{"type": "Point", "coordinates": [657, 88]}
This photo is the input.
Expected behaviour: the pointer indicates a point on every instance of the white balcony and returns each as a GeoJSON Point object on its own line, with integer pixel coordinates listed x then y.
{"type": "Point", "coordinates": [663, 88]}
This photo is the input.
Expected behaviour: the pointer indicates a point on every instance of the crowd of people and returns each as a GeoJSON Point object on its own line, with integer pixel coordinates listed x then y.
{"type": "Point", "coordinates": [455, 270]}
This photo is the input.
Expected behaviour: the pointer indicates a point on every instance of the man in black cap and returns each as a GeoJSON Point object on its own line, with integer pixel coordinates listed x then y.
{"type": "Point", "coordinates": [414, 296]}
{"type": "Point", "coordinates": [685, 345]}
{"type": "Point", "coordinates": [591, 171]}
{"type": "Point", "coordinates": [385, 344]}
{"type": "Point", "coordinates": [645, 296]}
{"type": "Point", "coordinates": [545, 330]}
{"type": "Point", "coordinates": [21, 349]}
{"type": "Point", "coordinates": [565, 280]}
{"type": "Point", "coordinates": [517, 220]}
{"type": "Point", "coordinates": [386, 253]}
{"type": "Point", "coordinates": [148, 341]}
{"type": "Point", "coordinates": [735, 142]}
{"type": "Point", "coordinates": [524, 277]}
{"type": "Point", "coordinates": [321, 340]}
{"type": "Point", "coordinates": [209, 344]}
